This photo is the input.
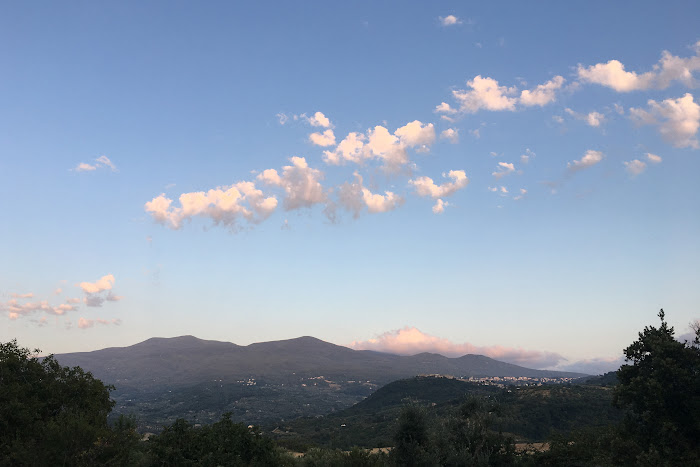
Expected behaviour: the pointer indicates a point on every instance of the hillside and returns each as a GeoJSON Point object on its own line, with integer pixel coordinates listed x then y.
{"type": "Point", "coordinates": [162, 379]}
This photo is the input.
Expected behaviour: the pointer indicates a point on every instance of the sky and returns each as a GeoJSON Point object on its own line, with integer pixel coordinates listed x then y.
{"type": "Point", "coordinates": [513, 179]}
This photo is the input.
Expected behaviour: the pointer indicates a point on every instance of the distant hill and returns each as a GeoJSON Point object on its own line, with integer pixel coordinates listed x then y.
{"type": "Point", "coordinates": [161, 379]}
{"type": "Point", "coordinates": [187, 360]}
{"type": "Point", "coordinates": [530, 414]}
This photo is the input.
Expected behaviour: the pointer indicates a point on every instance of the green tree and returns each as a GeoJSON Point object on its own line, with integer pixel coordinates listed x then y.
{"type": "Point", "coordinates": [49, 414]}
{"type": "Point", "coordinates": [411, 440]}
{"type": "Point", "coordinates": [660, 387]}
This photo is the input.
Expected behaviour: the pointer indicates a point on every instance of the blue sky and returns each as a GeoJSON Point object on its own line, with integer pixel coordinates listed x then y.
{"type": "Point", "coordinates": [509, 179]}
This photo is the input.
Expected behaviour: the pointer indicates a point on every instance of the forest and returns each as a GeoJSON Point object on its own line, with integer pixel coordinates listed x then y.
{"type": "Point", "coordinates": [646, 413]}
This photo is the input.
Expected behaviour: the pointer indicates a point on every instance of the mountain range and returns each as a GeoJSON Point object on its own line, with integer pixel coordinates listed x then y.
{"type": "Point", "coordinates": [187, 360]}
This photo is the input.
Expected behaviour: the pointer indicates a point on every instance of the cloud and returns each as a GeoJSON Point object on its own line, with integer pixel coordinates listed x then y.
{"type": "Point", "coordinates": [58, 291]}
{"type": "Point", "coordinates": [83, 167]}
{"type": "Point", "coordinates": [670, 68]}
{"type": "Point", "coordinates": [525, 158]}
{"type": "Point", "coordinates": [449, 20]}
{"type": "Point", "coordinates": [589, 159]}
{"type": "Point", "coordinates": [327, 138]}
{"type": "Point", "coordinates": [451, 135]}
{"type": "Point", "coordinates": [318, 119]}
{"type": "Point", "coordinates": [282, 117]}
{"type": "Point", "coordinates": [103, 283]}
{"type": "Point", "coordinates": [543, 94]}
{"type": "Point", "coordinates": [504, 168]}
{"type": "Point", "coordinates": [15, 308]}
{"type": "Point", "coordinates": [635, 167]}
{"type": "Point", "coordinates": [300, 182]}
{"type": "Point", "coordinates": [380, 144]}
{"type": "Point", "coordinates": [89, 323]}
{"type": "Point", "coordinates": [223, 205]}
{"type": "Point", "coordinates": [487, 94]}
{"type": "Point", "coordinates": [678, 120]}
{"type": "Point", "coordinates": [381, 203]}
{"type": "Point", "coordinates": [653, 158]}
{"type": "Point", "coordinates": [24, 295]}
{"type": "Point", "coordinates": [439, 206]}
{"type": "Point", "coordinates": [613, 75]}
{"type": "Point", "coordinates": [411, 341]}
{"type": "Point", "coordinates": [594, 119]}
{"type": "Point", "coordinates": [94, 296]}
{"type": "Point", "coordinates": [522, 194]}
{"type": "Point", "coordinates": [425, 186]}
{"type": "Point", "coordinates": [102, 161]}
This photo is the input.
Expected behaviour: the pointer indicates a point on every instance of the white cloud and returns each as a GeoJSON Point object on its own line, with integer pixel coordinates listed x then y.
{"type": "Point", "coordinates": [300, 182]}
{"type": "Point", "coordinates": [381, 203]}
{"type": "Point", "coordinates": [318, 119]}
{"type": "Point", "coordinates": [449, 20]}
{"type": "Point", "coordinates": [504, 168]}
{"type": "Point", "coordinates": [613, 75]}
{"type": "Point", "coordinates": [425, 186]}
{"type": "Point", "coordinates": [83, 167]}
{"type": "Point", "coordinates": [380, 144]}
{"type": "Point", "coordinates": [416, 134]}
{"type": "Point", "coordinates": [522, 194]}
{"type": "Point", "coordinates": [94, 296]}
{"type": "Point", "coordinates": [439, 206]}
{"type": "Point", "coordinates": [653, 158]}
{"type": "Point", "coordinates": [487, 94]}
{"type": "Point", "coordinates": [282, 117]}
{"type": "Point", "coordinates": [103, 283]}
{"type": "Point", "coordinates": [525, 158]}
{"type": "Point", "coordinates": [22, 295]}
{"type": "Point", "coordinates": [678, 120]}
{"type": "Point", "coordinates": [670, 68]}
{"type": "Point", "coordinates": [635, 167]}
{"type": "Point", "coordinates": [223, 205]}
{"type": "Point", "coordinates": [350, 149]}
{"type": "Point", "coordinates": [594, 119]}
{"type": "Point", "coordinates": [589, 159]}
{"type": "Point", "coordinates": [89, 323]}
{"type": "Point", "coordinates": [15, 308]}
{"type": "Point", "coordinates": [102, 161]}
{"type": "Point", "coordinates": [327, 138]}
{"type": "Point", "coordinates": [411, 341]}
{"type": "Point", "coordinates": [451, 135]}
{"type": "Point", "coordinates": [543, 94]}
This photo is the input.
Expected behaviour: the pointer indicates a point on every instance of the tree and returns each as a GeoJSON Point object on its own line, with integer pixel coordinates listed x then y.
{"type": "Point", "coordinates": [412, 443]}
{"type": "Point", "coordinates": [660, 387]}
{"type": "Point", "coordinates": [49, 414]}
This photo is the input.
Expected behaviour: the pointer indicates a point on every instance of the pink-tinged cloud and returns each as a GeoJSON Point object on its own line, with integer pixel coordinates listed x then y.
{"type": "Point", "coordinates": [593, 366]}
{"type": "Point", "coordinates": [89, 323]}
{"type": "Point", "coordinates": [411, 341]}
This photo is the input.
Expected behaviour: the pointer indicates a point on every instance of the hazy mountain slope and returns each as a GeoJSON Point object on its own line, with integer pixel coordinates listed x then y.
{"type": "Point", "coordinates": [188, 360]}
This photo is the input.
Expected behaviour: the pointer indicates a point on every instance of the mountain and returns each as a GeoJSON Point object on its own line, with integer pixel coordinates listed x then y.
{"type": "Point", "coordinates": [187, 360]}
{"type": "Point", "coordinates": [162, 379]}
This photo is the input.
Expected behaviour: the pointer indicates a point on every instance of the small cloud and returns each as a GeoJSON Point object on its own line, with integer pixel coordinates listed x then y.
{"type": "Point", "coordinates": [525, 158]}
{"type": "Point", "coordinates": [504, 168]}
{"type": "Point", "coordinates": [449, 20]}
{"type": "Point", "coordinates": [439, 206]}
{"type": "Point", "coordinates": [451, 135]}
{"type": "Point", "coordinates": [282, 118]}
{"type": "Point", "coordinates": [327, 138]}
{"type": "Point", "coordinates": [319, 119]}
{"type": "Point", "coordinates": [589, 159]}
{"type": "Point", "coordinates": [594, 119]}
{"type": "Point", "coordinates": [653, 158]}
{"type": "Point", "coordinates": [58, 291]}
{"type": "Point", "coordinates": [102, 161]}
{"type": "Point", "coordinates": [24, 295]}
{"type": "Point", "coordinates": [635, 167]}
{"type": "Point", "coordinates": [83, 167]}
{"type": "Point", "coordinates": [522, 194]}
